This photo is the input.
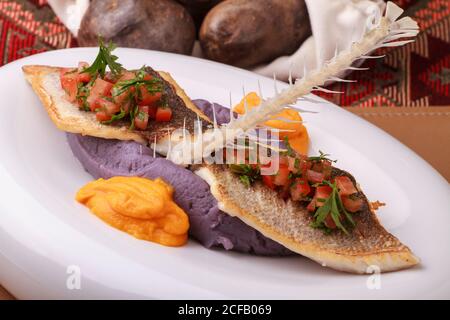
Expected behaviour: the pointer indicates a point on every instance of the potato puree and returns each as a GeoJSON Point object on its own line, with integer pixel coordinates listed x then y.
{"type": "Point", "coordinates": [298, 137]}
{"type": "Point", "coordinates": [141, 207]}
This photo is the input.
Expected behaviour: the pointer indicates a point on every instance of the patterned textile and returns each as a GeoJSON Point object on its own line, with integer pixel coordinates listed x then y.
{"type": "Point", "coordinates": [414, 75]}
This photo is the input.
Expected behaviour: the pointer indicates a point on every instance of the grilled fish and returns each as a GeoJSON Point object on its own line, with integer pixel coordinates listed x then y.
{"type": "Point", "coordinates": [67, 116]}
{"type": "Point", "coordinates": [288, 222]}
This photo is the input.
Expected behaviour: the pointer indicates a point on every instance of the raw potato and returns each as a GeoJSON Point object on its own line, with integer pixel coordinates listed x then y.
{"type": "Point", "coordinates": [247, 33]}
{"type": "Point", "coordinates": [163, 25]}
{"type": "Point", "coordinates": [203, 4]}
{"type": "Point", "coordinates": [198, 9]}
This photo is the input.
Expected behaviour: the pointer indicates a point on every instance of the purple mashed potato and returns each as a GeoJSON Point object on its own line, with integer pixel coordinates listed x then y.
{"type": "Point", "coordinates": [211, 227]}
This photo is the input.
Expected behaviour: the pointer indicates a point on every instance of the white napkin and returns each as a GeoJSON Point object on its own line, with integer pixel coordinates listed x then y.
{"type": "Point", "coordinates": [335, 24]}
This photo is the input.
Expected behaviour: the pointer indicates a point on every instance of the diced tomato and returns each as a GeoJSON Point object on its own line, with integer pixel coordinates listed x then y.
{"type": "Point", "coordinates": [110, 77]}
{"type": "Point", "coordinates": [283, 161]}
{"type": "Point", "coordinates": [345, 186]}
{"type": "Point", "coordinates": [148, 77]}
{"type": "Point", "coordinates": [91, 102]}
{"type": "Point", "coordinates": [100, 89]}
{"type": "Point", "coordinates": [285, 191]}
{"type": "Point", "coordinates": [294, 164]}
{"type": "Point", "coordinates": [69, 83]}
{"type": "Point", "coordinates": [126, 75]}
{"type": "Point", "coordinates": [102, 116]}
{"type": "Point", "coordinates": [329, 222]}
{"type": "Point", "coordinates": [282, 176]}
{"type": "Point", "coordinates": [268, 181]}
{"type": "Point", "coordinates": [83, 76]}
{"type": "Point", "coordinates": [163, 114]}
{"type": "Point", "coordinates": [66, 71]}
{"type": "Point", "coordinates": [305, 165]}
{"type": "Point", "coordinates": [316, 166]}
{"type": "Point", "coordinates": [147, 98]}
{"type": "Point", "coordinates": [291, 163]}
{"type": "Point", "coordinates": [326, 168]}
{"type": "Point", "coordinates": [109, 107]}
{"type": "Point", "coordinates": [122, 98]}
{"type": "Point", "coordinates": [300, 189]}
{"type": "Point", "coordinates": [352, 205]}
{"type": "Point", "coordinates": [312, 205]}
{"type": "Point", "coordinates": [314, 177]}
{"type": "Point", "coordinates": [323, 192]}
{"type": "Point", "coordinates": [141, 118]}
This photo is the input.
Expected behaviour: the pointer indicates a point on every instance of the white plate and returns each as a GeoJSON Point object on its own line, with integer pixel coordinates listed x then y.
{"type": "Point", "coordinates": [45, 236]}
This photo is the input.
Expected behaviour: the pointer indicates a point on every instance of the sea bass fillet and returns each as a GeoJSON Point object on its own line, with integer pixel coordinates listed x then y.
{"type": "Point", "coordinates": [368, 246]}
{"type": "Point", "coordinates": [67, 116]}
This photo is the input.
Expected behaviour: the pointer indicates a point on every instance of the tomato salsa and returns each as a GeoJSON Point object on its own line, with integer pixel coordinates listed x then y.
{"type": "Point", "coordinates": [328, 194]}
{"type": "Point", "coordinates": [136, 96]}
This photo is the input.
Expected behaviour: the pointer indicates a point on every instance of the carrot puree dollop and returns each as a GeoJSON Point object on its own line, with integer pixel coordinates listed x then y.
{"type": "Point", "coordinates": [298, 136]}
{"type": "Point", "coordinates": [142, 207]}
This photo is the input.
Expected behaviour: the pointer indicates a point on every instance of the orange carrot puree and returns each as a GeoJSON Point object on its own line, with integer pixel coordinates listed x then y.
{"type": "Point", "coordinates": [298, 138]}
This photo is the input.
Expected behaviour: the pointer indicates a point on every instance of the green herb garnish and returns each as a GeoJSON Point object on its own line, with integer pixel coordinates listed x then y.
{"type": "Point", "coordinates": [153, 86]}
{"type": "Point", "coordinates": [293, 175]}
{"type": "Point", "coordinates": [333, 206]}
{"type": "Point", "coordinates": [246, 173]}
{"type": "Point", "coordinates": [116, 117]}
{"type": "Point", "coordinates": [133, 110]}
{"type": "Point", "coordinates": [105, 59]}
{"type": "Point", "coordinates": [82, 94]}
{"type": "Point", "coordinates": [297, 163]}
{"type": "Point", "coordinates": [245, 180]}
{"type": "Point", "coordinates": [290, 152]}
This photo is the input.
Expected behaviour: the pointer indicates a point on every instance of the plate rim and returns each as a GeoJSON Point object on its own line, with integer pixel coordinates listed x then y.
{"type": "Point", "coordinates": [393, 140]}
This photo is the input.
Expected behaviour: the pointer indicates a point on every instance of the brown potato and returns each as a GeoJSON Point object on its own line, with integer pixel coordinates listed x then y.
{"type": "Point", "coordinates": [247, 33]}
{"type": "Point", "coordinates": [163, 25]}
{"type": "Point", "coordinates": [200, 4]}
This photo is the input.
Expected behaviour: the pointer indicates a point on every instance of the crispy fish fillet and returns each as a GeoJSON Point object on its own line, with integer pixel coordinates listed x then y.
{"type": "Point", "coordinates": [68, 117]}
{"type": "Point", "coordinates": [288, 223]}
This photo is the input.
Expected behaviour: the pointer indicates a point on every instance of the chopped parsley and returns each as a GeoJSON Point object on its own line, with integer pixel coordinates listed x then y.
{"type": "Point", "coordinates": [320, 157]}
{"type": "Point", "coordinates": [82, 94]}
{"type": "Point", "coordinates": [105, 59]}
{"type": "Point", "coordinates": [153, 86]}
{"type": "Point", "coordinates": [116, 117]}
{"type": "Point", "coordinates": [333, 206]}
{"type": "Point", "coordinates": [290, 152]}
{"type": "Point", "coordinates": [247, 174]}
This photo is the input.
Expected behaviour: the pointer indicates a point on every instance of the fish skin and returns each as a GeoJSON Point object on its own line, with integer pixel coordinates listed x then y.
{"type": "Point", "coordinates": [368, 246]}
